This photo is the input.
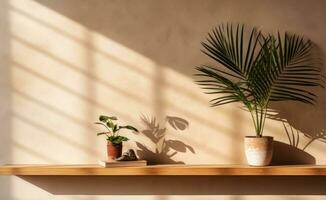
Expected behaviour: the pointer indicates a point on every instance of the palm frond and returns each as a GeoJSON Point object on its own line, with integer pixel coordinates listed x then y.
{"type": "Point", "coordinates": [286, 70]}
{"type": "Point", "coordinates": [226, 46]}
{"type": "Point", "coordinates": [215, 80]}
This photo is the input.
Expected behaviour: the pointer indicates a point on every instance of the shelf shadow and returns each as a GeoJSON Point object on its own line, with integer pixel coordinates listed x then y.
{"type": "Point", "coordinates": [180, 185]}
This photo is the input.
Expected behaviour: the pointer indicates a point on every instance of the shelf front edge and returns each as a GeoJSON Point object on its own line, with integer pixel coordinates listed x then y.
{"type": "Point", "coordinates": [162, 170]}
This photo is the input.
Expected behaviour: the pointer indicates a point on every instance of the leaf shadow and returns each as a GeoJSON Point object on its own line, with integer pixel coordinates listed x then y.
{"type": "Point", "coordinates": [164, 148]}
{"type": "Point", "coordinates": [294, 153]}
{"type": "Point", "coordinates": [285, 154]}
{"type": "Point", "coordinates": [309, 124]}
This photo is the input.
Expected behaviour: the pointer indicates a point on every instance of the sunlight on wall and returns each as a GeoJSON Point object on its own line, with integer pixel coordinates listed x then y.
{"type": "Point", "coordinates": [63, 75]}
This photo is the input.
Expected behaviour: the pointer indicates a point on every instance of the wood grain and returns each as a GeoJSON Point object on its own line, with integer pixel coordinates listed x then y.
{"type": "Point", "coordinates": [164, 170]}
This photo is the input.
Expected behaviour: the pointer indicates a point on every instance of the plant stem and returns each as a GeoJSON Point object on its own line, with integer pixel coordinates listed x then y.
{"type": "Point", "coordinates": [116, 133]}
{"type": "Point", "coordinates": [253, 119]}
{"type": "Point", "coordinates": [265, 116]}
{"type": "Point", "coordinates": [259, 116]}
{"type": "Point", "coordinates": [257, 120]}
{"type": "Point", "coordinates": [261, 122]}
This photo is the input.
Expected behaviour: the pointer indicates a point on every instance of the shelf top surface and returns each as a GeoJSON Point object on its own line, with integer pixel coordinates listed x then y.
{"type": "Point", "coordinates": [163, 170]}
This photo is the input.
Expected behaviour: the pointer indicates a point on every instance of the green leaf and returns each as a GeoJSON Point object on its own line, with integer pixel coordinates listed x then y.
{"type": "Point", "coordinates": [117, 139]}
{"type": "Point", "coordinates": [105, 119]}
{"type": "Point", "coordinates": [101, 133]}
{"type": "Point", "coordinates": [128, 127]}
{"type": "Point", "coordinates": [225, 85]}
{"type": "Point", "coordinates": [289, 52]}
{"type": "Point", "coordinates": [110, 124]}
{"type": "Point", "coordinates": [115, 128]}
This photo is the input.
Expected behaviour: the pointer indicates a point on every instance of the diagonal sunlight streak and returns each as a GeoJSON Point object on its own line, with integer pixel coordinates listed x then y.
{"type": "Point", "coordinates": [50, 18]}
{"type": "Point", "coordinates": [78, 73]}
{"type": "Point", "coordinates": [111, 84]}
{"type": "Point", "coordinates": [51, 109]}
{"type": "Point", "coordinates": [101, 42]}
{"type": "Point", "coordinates": [102, 106]}
{"type": "Point", "coordinates": [85, 99]}
{"type": "Point", "coordinates": [99, 45]}
{"type": "Point", "coordinates": [52, 134]}
{"type": "Point", "coordinates": [18, 36]}
{"type": "Point", "coordinates": [36, 156]}
{"type": "Point", "coordinates": [54, 102]}
{"type": "Point", "coordinates": [62, 64]}
{"type": "Point", "coordinates": [140, 101]}
{"type": "Point", "coordinates": [175, 108]}
{"type": "Point", "coordinates": [91, 90]}
{"type": "Point", "coordinates": [38, 49]}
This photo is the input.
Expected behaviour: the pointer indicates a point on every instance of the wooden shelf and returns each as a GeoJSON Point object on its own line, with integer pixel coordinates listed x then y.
{"type": "Point", "coordinates": [163, 170]}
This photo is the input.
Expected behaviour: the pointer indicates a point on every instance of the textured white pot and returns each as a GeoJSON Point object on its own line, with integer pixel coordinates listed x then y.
{"type": "Point", "coordinates": [259, 150]}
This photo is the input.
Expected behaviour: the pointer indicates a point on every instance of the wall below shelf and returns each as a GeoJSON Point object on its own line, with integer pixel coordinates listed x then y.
{"type": "Point", "coordinates": [163, 170]}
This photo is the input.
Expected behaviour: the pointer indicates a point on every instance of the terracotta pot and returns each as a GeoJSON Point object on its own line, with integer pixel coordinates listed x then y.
{"type": "Point", "coordinates": [259, 150]}
{"type": "Point", "coordinates": [114, 150]}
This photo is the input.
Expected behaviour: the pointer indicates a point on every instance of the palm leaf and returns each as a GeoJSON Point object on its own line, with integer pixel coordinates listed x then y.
{"type": "Point", "coordinates": [286, 69]}
{"type": "Point", "coordinates": [232, 91]}
{"type": "Point", "coordinates": [226, 45]}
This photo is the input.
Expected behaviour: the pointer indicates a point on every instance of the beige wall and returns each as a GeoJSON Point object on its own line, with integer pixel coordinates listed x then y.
{"type": "Point", "coordinates": [65, 62]}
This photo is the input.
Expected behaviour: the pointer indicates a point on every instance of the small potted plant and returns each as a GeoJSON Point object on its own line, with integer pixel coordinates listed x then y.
{"type": "Point", "coordinates": [115, 140]}
{"type": "Point", "coordinates": [256, 71]}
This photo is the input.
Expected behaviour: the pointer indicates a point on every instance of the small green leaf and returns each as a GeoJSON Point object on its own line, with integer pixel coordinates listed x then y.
{"type": "Point", "coordinates": [128, 127]}
{"type": "Point", "coordinates": [115, 128]}
{"type": "Point", "coordinates": [117, 139]}
{"type": "Point", "coordinates": [101, 133]}
{"type": "Point", "coordinates": [105, 119]}
{"type": "Point", "coordinates": [110, 124]}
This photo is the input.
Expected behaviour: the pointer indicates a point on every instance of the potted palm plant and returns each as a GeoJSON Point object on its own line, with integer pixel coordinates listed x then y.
{"type": "Point", "coordinates": [115, 140]}
{"type": "Point", "coordinates": [257, 69]}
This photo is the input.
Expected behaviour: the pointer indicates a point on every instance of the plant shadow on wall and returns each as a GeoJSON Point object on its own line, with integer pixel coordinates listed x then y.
{"type": "Point", "coordinates": [164, 148]}
{"type": "Point", "coordinates": [293, 153]}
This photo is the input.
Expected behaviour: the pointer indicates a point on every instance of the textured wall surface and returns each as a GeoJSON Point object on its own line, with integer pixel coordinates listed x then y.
{"type": "Point", "coordinates": [63, 63]}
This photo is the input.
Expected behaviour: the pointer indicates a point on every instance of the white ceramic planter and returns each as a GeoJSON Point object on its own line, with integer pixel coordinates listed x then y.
{"type": "Point", "coordinates": [259, 150]}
